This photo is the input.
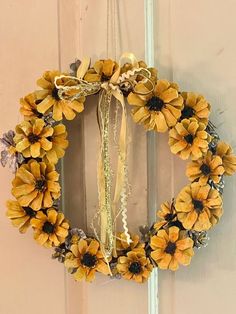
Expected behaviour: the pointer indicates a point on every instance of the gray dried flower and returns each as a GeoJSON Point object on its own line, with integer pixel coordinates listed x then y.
{"type": "Point", "coordinates": [59, 253]}
{"type": "Point", "coordinates": [48, 119]}
{"type": "Point", "coordinates": [211, 129]}
{"type": "Point", "coordinates": [79, 232]}
{"type": "Point", "coordinates": [8, 139]}
{"type": "Point", "coordinates": [73, 233]}
{"type": "Point", "coordinates": [145, 233]}
{"type": "Point", "coordinates": [115, 274]}
{"type": "Point", "coordinates": [74, 67]}
{"type": "Point", "coordinates": [200, 239]}
{"type": "Point", "coordinates": [218, 186]}
{"type": "Point", "coordinates": [8, 154]}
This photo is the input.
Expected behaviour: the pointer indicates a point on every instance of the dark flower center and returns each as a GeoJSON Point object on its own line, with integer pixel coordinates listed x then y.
{"type": "Point", "coordinates": [29, 211]}
{"type": "Point", "coordinates": [187, 112]}
{"type": "Point", "coordinates": [212, 149]}
{"type": "Point", "coordinates": [55, 93]}
{"type": "Point", "coordinates": [189, 138]}
{"type": "Point", "coordinates": [135, 268]}
{"type": "Point", "coordinates": [105, 78]}
{"type": "Point", "coordinates": [198, 206]}
{"type": "Point", "coordinates": [40, 184]}
{"type": "Point", "coordinates": [169, 217]}
{"type": "Point", "coordinates": [205, 169]}
{"type": "Point", "coordinates": [125, 88]}
{"type": "Point", "coordinates": [89, 260]}
{"type": "Point", "coordinates": [155, 104]}
{"type": "Point", "coordinates": [170, 248]}
{"type": "Point", "coordinates": [38, 114]}
{"type": "Point", "coordinates": [38, 101]}
{"type": "Point", "coordinates": [33, 138]}
{"type": "Point", "coordinates": [48, 227]}
{"type": "Point", "coordinates": [176, 223]}
{"type": "Point", "coordinates": [125, 93]}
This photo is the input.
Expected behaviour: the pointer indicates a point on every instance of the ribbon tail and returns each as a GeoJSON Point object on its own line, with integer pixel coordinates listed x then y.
{"type": "Point", "coordinates": [121, 178]}
{"type": "Point", "coordinates": [104, 176]}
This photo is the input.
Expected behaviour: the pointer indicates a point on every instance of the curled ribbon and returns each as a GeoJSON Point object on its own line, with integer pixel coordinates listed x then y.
{"type": "Point", "coordinates": [74, 88]}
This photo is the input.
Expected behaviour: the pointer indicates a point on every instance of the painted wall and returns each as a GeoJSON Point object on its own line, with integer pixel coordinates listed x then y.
{"type": "Point", "coordinates": [194, 47]}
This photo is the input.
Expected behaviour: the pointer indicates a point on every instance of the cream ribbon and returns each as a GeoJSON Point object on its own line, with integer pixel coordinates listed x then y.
{"type": "Point", "coordinates": [120, 185]}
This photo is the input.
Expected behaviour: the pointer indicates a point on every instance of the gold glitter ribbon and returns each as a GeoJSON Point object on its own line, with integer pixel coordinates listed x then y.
{"type": "Point", "coordinates": [104, 175]}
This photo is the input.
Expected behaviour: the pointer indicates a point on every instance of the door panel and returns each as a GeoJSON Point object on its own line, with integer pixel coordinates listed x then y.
{"type": "Point", "coordinates": [120, 295]}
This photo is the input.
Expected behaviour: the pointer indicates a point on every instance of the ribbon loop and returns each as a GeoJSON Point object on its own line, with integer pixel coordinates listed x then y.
{"type": "Point", "coordinates": [76, 91]}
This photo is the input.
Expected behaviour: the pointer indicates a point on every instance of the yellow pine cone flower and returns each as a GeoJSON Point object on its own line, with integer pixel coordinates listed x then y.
{"type": "Point", "coordinates": [33, 138]}
{"type": "Point", "coordinates": [75, 239]}
{"type": "Point", "coordinates": [225, 151]}
{"type": "Point", "coordinates": [205, 168]}
{"type": "Point", "coordinates": [86, 257]}
{"type": "Point", "coordinates": [159, 109]}
{"type": "Point", "coordinates": [167, 213]}
{"type": "Point", "coordinates": [53, 102]}
{"type": "Point", "coordinates": [135, 266]}
{"type": "Point", "coordinates": [195, 106]}
{"type": "Point", "coordinates": [29, 104]}
{"type": "Point", "coordinates": [189, 139]}
{"type": "Point", "coordinates": [50, 228]}
{"type": "Point", "coordinates": [171, 247]}
{"type": "Point", "coordinates": [160, 224]}
{"type": "Point", "coordinates": [129, 66]}
{"type": "Point", "coordinates": [153, 77]}
{"type": "Point", "coordinates": [199, 207]}
{"type": "Point", "coordinates": [36, 185]}
{"type": "Point", "coordinates": [122, 245]}
{"type": "Point", "coordinates": [19, 216]}
{"type": "Point", "coordinates": [59, 144]}
{"type": "Point", "coordinates": [101, 71]}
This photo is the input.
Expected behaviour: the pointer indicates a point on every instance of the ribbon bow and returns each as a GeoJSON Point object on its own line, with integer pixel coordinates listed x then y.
{"type": "Point", "coordinates": [75, 88]}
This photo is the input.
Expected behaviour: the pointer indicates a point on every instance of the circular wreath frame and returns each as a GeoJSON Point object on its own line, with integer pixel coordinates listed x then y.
{"type": "Point", "coordinates": [40, 140]}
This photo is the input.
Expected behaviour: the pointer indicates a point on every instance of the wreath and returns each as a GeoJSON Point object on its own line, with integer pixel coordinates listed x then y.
{"type": "Point", "coordinates": [39, 142]}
